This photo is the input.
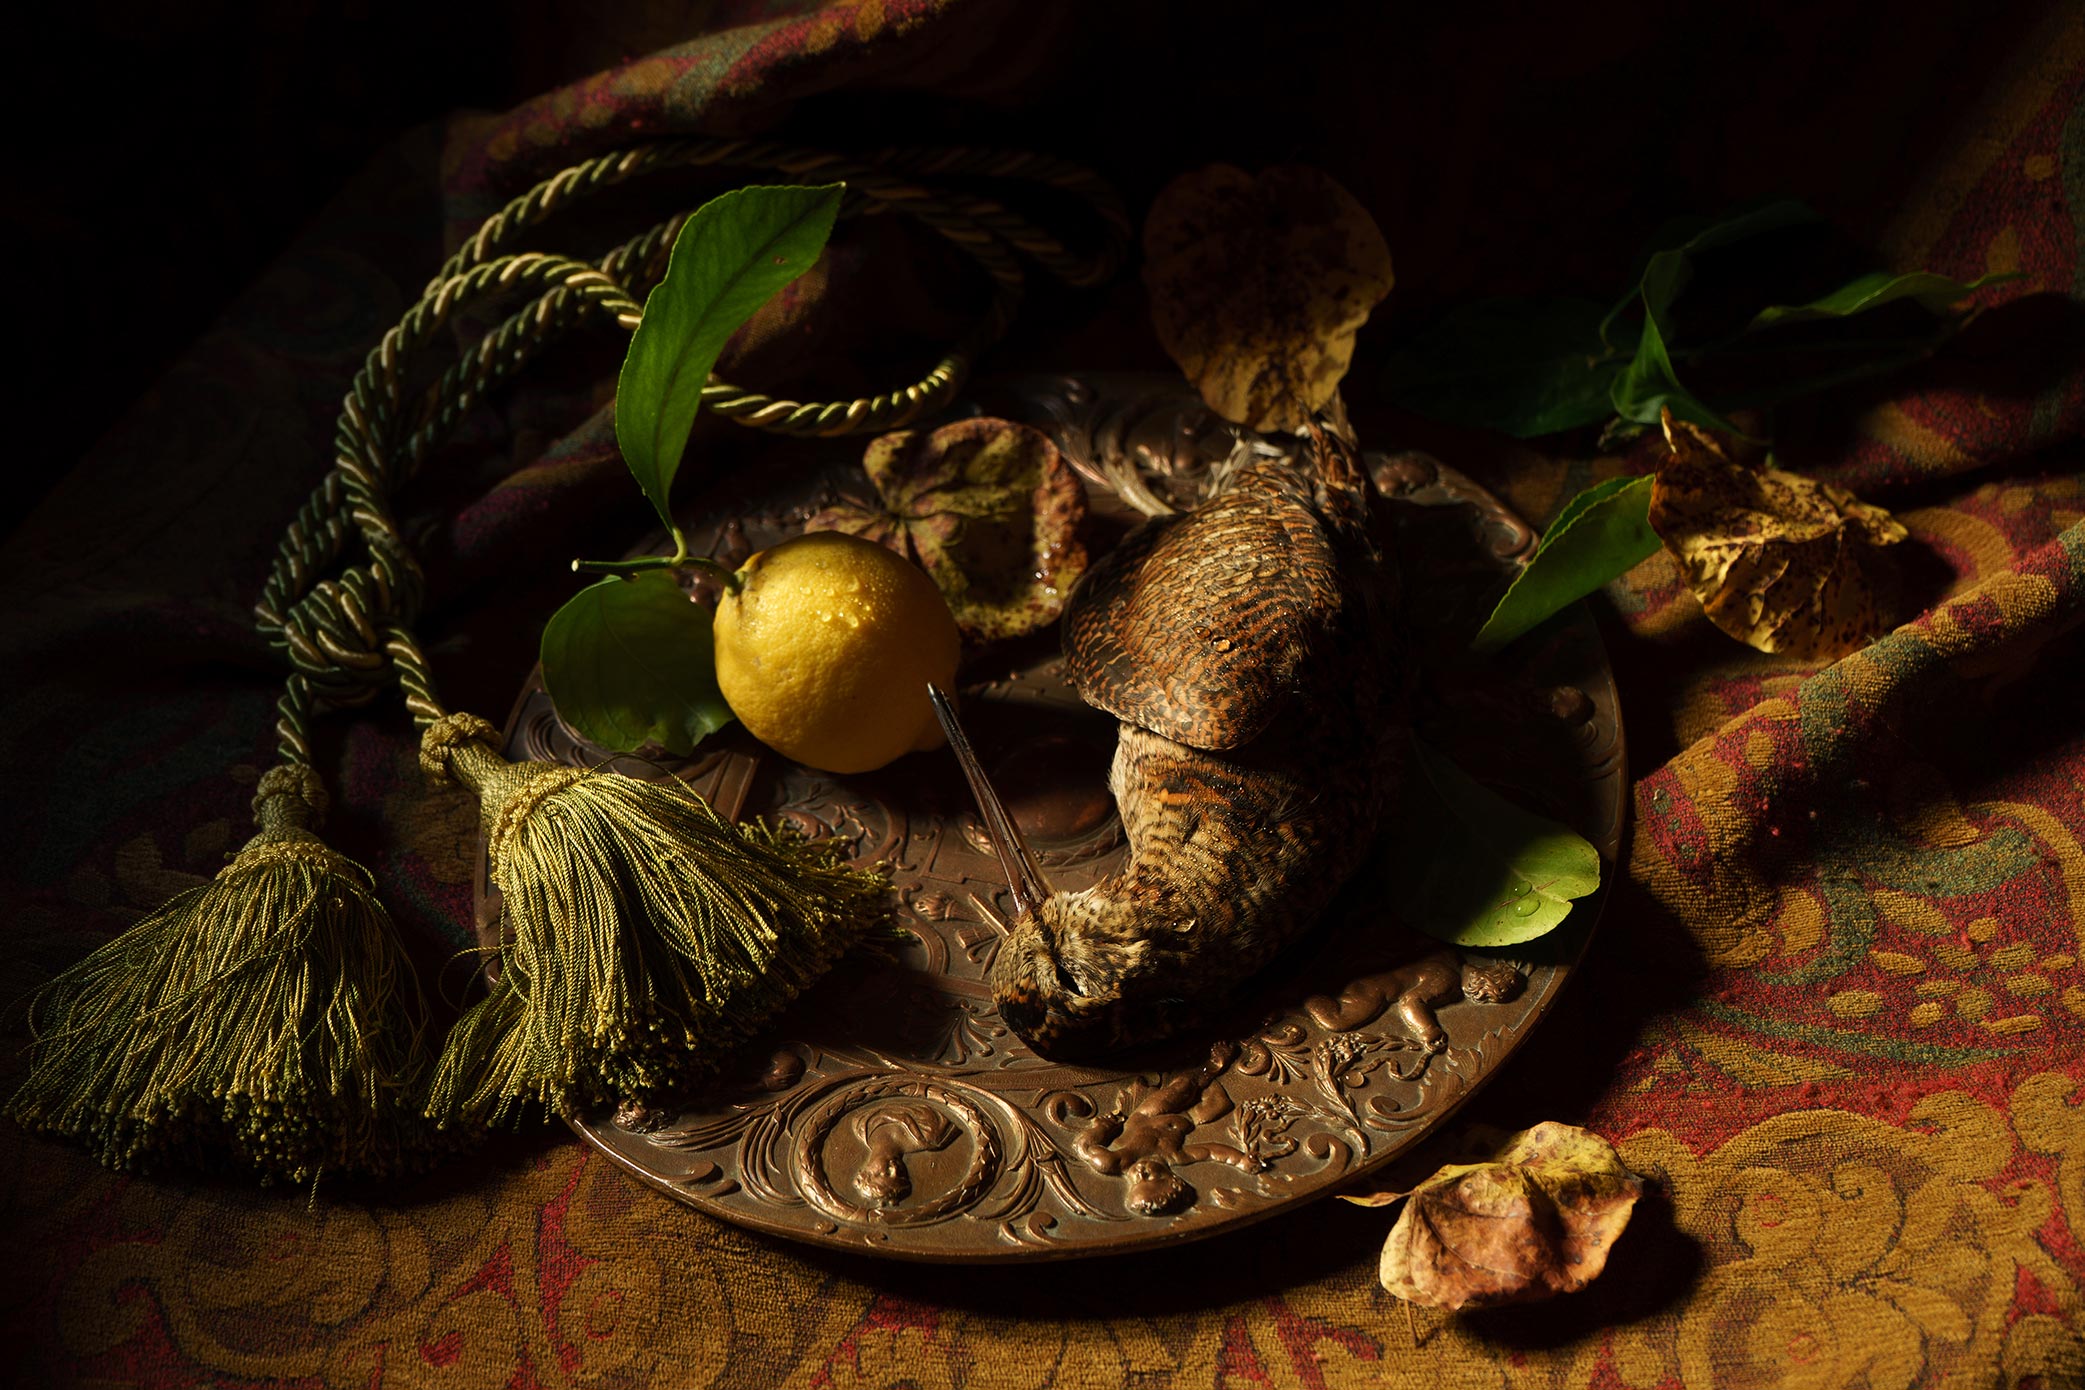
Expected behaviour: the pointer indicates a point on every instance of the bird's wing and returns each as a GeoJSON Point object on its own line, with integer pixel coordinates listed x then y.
{"type": "Point", "coordinates": [1196, 628]}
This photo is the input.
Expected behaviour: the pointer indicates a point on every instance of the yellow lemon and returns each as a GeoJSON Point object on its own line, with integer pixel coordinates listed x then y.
{"type": "Point", "coordinates": [825, 652]}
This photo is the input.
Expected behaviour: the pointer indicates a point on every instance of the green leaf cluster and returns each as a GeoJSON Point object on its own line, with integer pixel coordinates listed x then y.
{"type": "Point", "coordinates": [628, 661]}
{"type": "Point", "coordinates": [1748, 310]}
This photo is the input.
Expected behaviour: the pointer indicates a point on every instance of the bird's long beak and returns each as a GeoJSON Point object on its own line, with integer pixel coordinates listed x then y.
{"type": "Point", "coordinates": [1016, 861]}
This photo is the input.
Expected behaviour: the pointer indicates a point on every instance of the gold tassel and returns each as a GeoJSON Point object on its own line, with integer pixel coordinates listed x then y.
{"type": "Point", "coordinates": [266, 1021]}
{"type": "Point", "coordinates": [645, 935]}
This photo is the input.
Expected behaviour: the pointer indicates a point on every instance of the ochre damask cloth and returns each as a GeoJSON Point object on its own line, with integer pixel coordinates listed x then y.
{"type": "Point", "coordinates": [1836, 1009]}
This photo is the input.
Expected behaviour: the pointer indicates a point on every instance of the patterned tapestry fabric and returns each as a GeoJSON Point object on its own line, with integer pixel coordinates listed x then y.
{"type": "Point", "coordinates": [1835, 1012]}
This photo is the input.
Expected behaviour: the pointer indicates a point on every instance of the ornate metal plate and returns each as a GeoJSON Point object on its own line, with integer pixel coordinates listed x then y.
{"type": "Point", "coordinates": [890, 1111]}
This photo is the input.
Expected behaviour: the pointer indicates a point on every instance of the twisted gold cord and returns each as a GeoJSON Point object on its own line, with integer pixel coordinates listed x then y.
{"type": "Point", "coordinates": [348, 635]}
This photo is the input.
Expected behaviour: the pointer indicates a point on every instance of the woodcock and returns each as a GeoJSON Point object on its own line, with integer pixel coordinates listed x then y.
{"type": "Point", "coordinates": [1246, 649]}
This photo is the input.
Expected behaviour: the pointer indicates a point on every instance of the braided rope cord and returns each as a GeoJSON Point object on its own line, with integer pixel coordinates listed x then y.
{"type": "Point", "coordinates": [347, 637]}
{"type": "Point", "coordinates": [318, 534]}
{"type": "Point", "coordinates": [320, 530]}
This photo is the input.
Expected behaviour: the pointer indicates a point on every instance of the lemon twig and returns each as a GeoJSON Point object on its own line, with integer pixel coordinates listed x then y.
{"type": "Point", "coordinates": [678, 561]}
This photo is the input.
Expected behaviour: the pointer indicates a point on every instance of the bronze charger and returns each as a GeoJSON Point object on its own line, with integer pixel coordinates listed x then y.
{"type": "Point", "coordinates": [891, 1111]}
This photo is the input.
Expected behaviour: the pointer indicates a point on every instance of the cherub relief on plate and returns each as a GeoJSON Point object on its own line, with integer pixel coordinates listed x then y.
{"type": "Point", "coordinates": [1414, 991]}
{"type": "Point", "coordinates": [889, 1133]}
{"type": "Point", "coordinates": [1147, 1133]}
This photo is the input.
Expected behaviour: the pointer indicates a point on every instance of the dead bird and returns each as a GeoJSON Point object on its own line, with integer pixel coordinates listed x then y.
{"type": "Point", "coordinates": [1247, 650]}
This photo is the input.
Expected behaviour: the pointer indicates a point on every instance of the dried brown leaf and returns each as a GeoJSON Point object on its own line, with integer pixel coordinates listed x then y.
{"type": "Point", "coordinates": [1258, 286]}
{"type": "Point", "coordinates": [1534, 1220]}
{"type": "Point", "coordinates": [988, 508]}
{"type": "Point", "coordinates": [1781, 562]}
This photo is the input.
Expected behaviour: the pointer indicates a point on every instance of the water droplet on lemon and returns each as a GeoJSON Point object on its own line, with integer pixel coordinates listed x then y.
{"type": "Point", "coordinates": [825, 653]}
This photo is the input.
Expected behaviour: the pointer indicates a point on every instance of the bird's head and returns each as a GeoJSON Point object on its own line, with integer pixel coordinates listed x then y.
{"type": "Point", "coordinates": [1063, 974]}
{"type": "Point", "coordinates": [1034, 996]}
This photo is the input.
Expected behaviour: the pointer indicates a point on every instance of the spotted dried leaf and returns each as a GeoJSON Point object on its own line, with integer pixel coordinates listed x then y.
{"type": "Point", "coordinates": [1535, 1219]}
{"type": "Point", "coordinates": [1781, 562]}
{"type": "Point", "coordinates": [988, 507]}
{"type": "Point", "coordinates": [1258, 286]}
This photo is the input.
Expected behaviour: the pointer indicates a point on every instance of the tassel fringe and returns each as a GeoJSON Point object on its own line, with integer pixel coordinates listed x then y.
{"type": "Point", "coordinates": [646, 935]}
{"type": "Point", "coordinates": [265, 1021]}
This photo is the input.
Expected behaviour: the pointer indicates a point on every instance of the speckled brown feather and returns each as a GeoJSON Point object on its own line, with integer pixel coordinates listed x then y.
{"type": "Point", "coordinates": [1246, 649]}
{"type": "Point", "coordinates": [1196, 627]}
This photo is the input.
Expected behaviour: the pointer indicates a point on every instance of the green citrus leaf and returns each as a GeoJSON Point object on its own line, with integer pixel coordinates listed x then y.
{"type": "Point", "coordinates": [1934, 293]}
{"type": "Point", "coordinates": [1776, 367]}
{"type": "Point", "coordinates": [630, 662]}
{"type": "Point", "coordinates": [1475, 869]}
{"type": "Point", "coordinates": [1601, 534]}
{"type": "Point", "coordinates": [1693, 233]}
{"type": "Point", "coordinates": [1747, 222]}
{"type": "Point", "coordinates": [1649, 384]}
{"type": "Point", "coordinates": [1598, 492]}
{"type": "Point", "coordinates": [1788, 374]}
{"type": "Point", "coordinates": [1679, 339]}
{"type": "Point", "coordinates": [1523, 367]}
{"type": "Point", "coordinates": [729, 259]}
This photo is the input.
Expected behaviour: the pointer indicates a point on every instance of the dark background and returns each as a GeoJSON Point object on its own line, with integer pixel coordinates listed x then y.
{"type": "Point", "coordinates": [165, 152]}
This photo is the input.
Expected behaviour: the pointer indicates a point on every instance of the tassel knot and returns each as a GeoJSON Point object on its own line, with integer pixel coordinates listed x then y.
{"type": "Point", "coordinates": [290, 797]}
{"type": "Point", "coordinates": [445, 736]}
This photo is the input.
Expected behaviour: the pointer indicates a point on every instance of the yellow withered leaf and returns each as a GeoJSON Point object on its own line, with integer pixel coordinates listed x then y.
{"type": "Point", "coordinates": [1781, 562]}
{"type": "Point", "coordinates": [1258, 285]}
{"type": "Point", "coordinates": [1536, 1219]}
